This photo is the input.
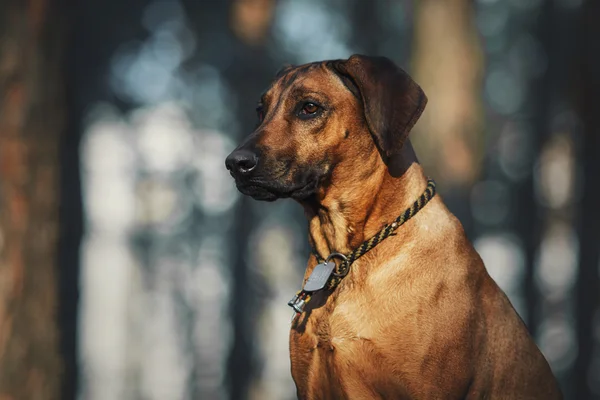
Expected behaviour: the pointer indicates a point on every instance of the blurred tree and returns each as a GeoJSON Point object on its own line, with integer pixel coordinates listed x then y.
{"type": "Point", "coordinates": [246, 56]}
{"type": "Point", "coordinates": [448, 64]}
{"type": "Point", "coordinates": [31, 125]}
{"type": "Point", "coordinates": [543, 91]}
{"type": "Point", "coordinates": [588, 282]}
{"type": "Point", "coordinates": [251, 19]}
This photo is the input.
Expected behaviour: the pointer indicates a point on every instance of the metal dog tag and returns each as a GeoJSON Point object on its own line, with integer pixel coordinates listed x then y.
{"type": "Point", "coordinates": [319, 277]}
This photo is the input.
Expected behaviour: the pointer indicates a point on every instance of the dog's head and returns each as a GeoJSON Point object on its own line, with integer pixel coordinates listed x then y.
{"type": "Point", "coordinates": [320, 115]}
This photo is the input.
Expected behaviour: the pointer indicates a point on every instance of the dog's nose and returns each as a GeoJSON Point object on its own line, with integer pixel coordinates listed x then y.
{"type": "Point", "coordinates": [241, 162]}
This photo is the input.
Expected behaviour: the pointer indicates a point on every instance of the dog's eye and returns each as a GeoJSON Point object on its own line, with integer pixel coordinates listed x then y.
{"type": "Point", "coordinates": [309, 108]}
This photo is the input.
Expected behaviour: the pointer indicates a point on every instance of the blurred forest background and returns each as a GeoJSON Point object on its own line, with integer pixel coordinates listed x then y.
{"type": "Point", "coordinates": [130, 267]}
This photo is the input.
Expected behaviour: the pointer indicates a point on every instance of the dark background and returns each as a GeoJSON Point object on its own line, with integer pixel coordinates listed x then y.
{"type": "Point", "coordinates": [129, 262]}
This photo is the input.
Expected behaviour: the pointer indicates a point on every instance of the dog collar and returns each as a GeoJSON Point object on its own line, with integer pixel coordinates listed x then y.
{"type": "Point", "coordinates": [328, 275]}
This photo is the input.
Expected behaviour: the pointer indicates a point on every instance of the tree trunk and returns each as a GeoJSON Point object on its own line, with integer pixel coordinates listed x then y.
{"type": "Point", "coordinates": [448, 64]}
{"type": "Point", "coordinates": [31, 125]}
{"type": "Point", "coordinates": [585, 374]}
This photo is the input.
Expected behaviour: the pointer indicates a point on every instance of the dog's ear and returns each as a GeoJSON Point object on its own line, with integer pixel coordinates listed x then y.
{"type": "Point", "coordinates": [392, 101]}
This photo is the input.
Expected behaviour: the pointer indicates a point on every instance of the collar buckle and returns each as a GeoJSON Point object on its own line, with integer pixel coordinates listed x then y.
{"type": "Point", "coordinates": [344, 271]}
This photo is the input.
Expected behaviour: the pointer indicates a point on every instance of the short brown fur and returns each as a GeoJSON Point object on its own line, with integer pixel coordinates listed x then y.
{"type": "Point", "coordinates": [418, 317]}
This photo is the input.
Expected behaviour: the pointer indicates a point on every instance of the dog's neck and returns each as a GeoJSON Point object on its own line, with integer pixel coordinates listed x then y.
{"type": "Point", "coordinates": [354, 208]}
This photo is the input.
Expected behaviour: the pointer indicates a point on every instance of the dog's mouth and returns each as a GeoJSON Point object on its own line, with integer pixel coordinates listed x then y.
{"type": "Point", "coordinates": [271, 191]}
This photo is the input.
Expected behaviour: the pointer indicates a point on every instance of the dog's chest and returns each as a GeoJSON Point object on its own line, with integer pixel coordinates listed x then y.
{"type": "Point", "coordinates": [332, 357]}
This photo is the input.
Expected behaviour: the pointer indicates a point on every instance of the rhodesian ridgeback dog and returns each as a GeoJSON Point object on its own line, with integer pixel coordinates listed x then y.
{"type": "Point", "coordinates": [413, 316]}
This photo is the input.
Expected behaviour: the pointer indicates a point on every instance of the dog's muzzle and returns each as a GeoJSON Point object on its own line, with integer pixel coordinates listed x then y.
{"type": "Point", "coordinates": [243, 166]}
{"type": "Point", "coordinates": [241, 163]}
{"type": "Point", "coordinates": [263, 181]}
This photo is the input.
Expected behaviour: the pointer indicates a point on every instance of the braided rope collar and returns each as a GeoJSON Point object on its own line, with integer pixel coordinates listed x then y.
{"type": "Point", "coordinates": [328, 274]}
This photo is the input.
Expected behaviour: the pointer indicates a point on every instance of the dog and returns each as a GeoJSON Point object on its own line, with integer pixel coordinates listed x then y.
{"type": "Point", "coordinates": [416, 316]}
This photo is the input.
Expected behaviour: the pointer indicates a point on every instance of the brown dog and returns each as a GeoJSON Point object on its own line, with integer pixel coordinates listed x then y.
{"type": "Point", "coordinates": [416, 317]}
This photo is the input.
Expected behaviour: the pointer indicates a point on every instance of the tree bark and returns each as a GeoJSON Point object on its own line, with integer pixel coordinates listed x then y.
{"type": "Point", "coordinates": [31, 126]}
